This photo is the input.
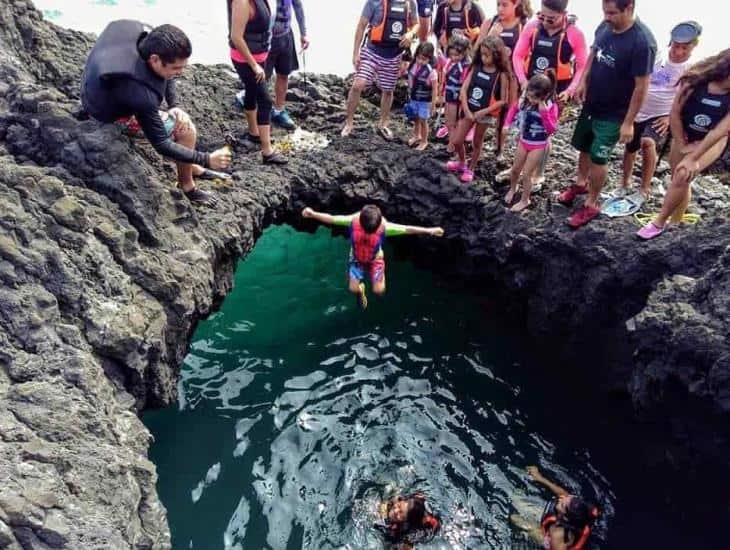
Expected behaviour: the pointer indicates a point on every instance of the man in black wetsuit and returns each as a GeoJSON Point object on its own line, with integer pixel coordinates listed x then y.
{"type": "Point", "coordinates": [128, 73]}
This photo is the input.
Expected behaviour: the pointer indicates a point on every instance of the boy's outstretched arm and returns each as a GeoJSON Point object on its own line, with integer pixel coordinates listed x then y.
{"type": "Point", "coordinates": [395, 230]}
{"type": "Point", "coordinates": [327, 218]}
{"type": "Point", "coordinates": [537, 476]}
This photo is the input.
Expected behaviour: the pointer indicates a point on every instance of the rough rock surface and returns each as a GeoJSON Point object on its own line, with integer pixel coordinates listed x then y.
{"type": "Point", "coordinates": [105, 269]}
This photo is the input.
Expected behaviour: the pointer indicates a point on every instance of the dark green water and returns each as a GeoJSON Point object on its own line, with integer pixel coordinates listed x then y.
{"type": "Point", "coordinates": [297, 411]}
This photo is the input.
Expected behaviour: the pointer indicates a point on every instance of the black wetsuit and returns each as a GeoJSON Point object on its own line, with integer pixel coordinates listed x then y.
{"type": "Point", "coordinates": [117, 83]}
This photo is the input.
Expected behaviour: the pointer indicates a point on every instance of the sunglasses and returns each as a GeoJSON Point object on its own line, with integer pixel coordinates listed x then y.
{"type": "Point", "coordinates": [549, 19]}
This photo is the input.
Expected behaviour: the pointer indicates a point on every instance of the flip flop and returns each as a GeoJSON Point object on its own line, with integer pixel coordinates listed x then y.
{"type": "Point", "coordinates": [385, 133]}
{"type": "Point", "coordinates": [617, 207]}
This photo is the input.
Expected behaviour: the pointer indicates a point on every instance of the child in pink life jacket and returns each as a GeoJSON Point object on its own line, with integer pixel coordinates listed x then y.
{"type": "Point", "coordinates": [538, 116]}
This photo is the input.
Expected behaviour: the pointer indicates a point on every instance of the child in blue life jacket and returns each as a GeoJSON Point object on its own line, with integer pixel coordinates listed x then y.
{"type": "Point", "coordinates": [368, 229]}
{"type": "Point", "coordinates": [538, 116]}
{"type": "Point", "coordinates": [452, 78]}
{"type": "Point", "coordinates": [422, 85]}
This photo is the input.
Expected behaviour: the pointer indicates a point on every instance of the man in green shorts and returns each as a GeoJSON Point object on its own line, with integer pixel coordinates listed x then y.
{"type": "Point", "coordinates": [612, 90]}
{"type": "Point", "coordinates": [368, 229]}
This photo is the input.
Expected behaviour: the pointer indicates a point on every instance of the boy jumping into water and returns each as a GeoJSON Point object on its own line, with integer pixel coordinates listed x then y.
{"type": "Point", "coordinates": [368, 229]}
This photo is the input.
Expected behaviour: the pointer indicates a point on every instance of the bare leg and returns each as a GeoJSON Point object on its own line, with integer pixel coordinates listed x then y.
{"type": "Point", "coordinates": [628, 169]}
{"type": "Point", "coordinates": [599, 173]}
{"type": "Point", "coordinates": [451, 113]}
{"type": "Point", "coordinates": [519, 162]}
{"type": "Point", "coordinates": [280, 88]}
{"type": "Point", "coordinates": [253, 126]}
{"type": "Point", "coordinates": [478, 144]}
{"type": "Point", "coordinates": [265, 133]}
{"type": "Point", "coordinates": [386, 101]}
{"type": "Point", "coordinates": [531, 163]}
{"type": "Point", "coordinates": [424, 28]}
{"type": "Point", "coordinates": [539, 175]}
{"type": "Point", "coordinates": [462, 129]}
{"type": "Point", "coordinates": [353, 99]}
{"type": "Point", "coordinates": [185, 170]}
{"type": "Point", "coordinates": [584, 170]}
{"type": "Point", "coordinates": [648, 164]}
{"type": "Point", "coordinates": [678, 192]}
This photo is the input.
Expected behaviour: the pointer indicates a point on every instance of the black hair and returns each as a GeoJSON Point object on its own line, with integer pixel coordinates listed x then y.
{"type": "Point", "coordinates": [543, 85]}
{"type": "Point", "coordinates": [168, 42]}
{"type": "Point", "coordinates": [499, 54]}
{"type": "Point", "coordinates": [556, 5]}
{"type": "Point", "coordinates": [578, 515]}
{"type": "Point", "coordinates": [426, 50]}
{"type": "Point", "coordinates": [460, 43]}
{"type": "Point", "coordinates": [710, 69]}
{"type": "Point", "coordinates": [416, 511]}
{"type": "Point", "coordinates": [370, 218]}
{"type": "Point", "coordinates": [622, 5]}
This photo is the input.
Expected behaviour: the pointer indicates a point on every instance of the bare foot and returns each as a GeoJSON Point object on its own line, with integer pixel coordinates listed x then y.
{"type": "Point", "coordinates": [520, 206]}
{"type": "Point", "coordinates": [422, 146]}
{"type": "Point", "coordinates": [346, 130]}
{"type": "Point", "coordinates": [509, 197]}
{"type": "Point", "coordinates": [413, 141]}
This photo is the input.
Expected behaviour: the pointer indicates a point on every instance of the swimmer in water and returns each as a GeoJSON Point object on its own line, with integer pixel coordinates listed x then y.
{"type": "Point", "coordinates": [407, 521]}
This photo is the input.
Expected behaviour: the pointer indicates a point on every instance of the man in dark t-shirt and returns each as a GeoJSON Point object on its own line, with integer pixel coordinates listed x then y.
{"type": "Point", "coordinates": [612, 89]}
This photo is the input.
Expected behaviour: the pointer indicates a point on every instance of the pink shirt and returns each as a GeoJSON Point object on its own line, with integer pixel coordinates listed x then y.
{"type": "Point", "coordinates": [523, 49]}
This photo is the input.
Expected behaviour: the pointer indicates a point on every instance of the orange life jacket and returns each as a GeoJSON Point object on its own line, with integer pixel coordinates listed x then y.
{"type": "Point", "coordinates": [549, 55]}
{"type": "Point", "coordinates": [394, 25]}
{"type": "Point", "coordinates": [365, 245]}
{"type": "Point", "coordinates": [550, 518]}
{"type": "Point", "coordinates": [464, 24]}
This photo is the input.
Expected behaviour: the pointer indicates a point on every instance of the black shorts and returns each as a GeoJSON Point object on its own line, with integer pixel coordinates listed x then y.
{"type": "Point", "coordinates": [282, 55]}
{"type": "Point", "coordinates": [425, 8]}
{"type": "Point", "coordinates": [645, 129]}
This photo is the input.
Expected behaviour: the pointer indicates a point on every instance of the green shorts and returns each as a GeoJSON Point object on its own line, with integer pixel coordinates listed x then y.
{"type": "Point", "coordinates": [596, 137]}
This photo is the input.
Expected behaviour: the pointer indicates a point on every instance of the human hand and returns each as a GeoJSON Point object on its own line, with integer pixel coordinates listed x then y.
{"type": "Point", "coordinates": [534, 473]}
{"type": "Point", "coordinates": [182, 119]}
{"type": "Point", "coordinates": [259, 72]}
{"type": "Point", "coordinates": [436, 232]}
{"type": "Point", "coordinates": [580, 92]}
{"type": "Point", "coordinates": [565, 97]}
{"type": "Point", "coordinates": [304, 42]}
{"type": "Point", "coordinates": [406, 41]}
{"type": "Point", "coordinates": [661, 125]}
{"type": "Point", "coordinates": [627, 133]}
{"type": "Point", "coordinates": [220, 159]}
{"type": "Point", "coordinates": [689, 166]}
{"type": "Point", "coordinates": [307, 213]}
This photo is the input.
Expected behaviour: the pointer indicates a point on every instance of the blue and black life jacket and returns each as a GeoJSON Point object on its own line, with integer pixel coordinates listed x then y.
{"type": "Point", "coordinates": [422, 86]}
{"type": "Point", "coordinates": [703, 111]}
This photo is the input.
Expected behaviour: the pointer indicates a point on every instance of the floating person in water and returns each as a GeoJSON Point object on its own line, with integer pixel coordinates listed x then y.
{"type": "Point", "coordinates": [566, 521]}
{"type": "Point", "coordinates": [406, 520]}
{"type": "Point", "coordinates": [368, 229]}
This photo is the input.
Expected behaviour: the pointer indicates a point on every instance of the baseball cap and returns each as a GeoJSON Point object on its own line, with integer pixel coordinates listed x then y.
{"type": "Point", "coordinates": [686, 32]}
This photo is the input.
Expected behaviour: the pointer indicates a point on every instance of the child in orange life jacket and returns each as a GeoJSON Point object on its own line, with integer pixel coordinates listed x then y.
{"type": "Point", "coordinates": [422, 82]}
{"type": "Point", "coordinates": [406, 520]}
{"type": "Point", "coordinates": [566, 522]}
{"type": "Point", "coordinates": [368, 229]}
{"type": "Point", "coordinates": [483, 95]}
{"type": "Point", "coordinates": [451, 83]}
{"type": "Point", "coordinates": [538, 117]}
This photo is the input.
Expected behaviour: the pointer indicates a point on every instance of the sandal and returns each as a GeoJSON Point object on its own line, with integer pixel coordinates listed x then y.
{"type": "Point", "coordinates": [274, 158]}
{"type": "Point", "coordinates": [198, 196]}
{"type": "Point", "coordinates": [385, 133]}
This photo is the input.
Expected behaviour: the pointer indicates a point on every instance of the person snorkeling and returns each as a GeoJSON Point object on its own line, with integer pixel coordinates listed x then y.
{"type": "Point", "coordinates": [566, 521]}
{"type": "Point", "coordinates": [406, 520]}
{"type": "Point", "coordinates": [368, 229]}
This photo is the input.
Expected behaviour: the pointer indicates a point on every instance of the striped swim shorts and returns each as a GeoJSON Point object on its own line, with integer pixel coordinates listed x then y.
{"type": "Point", "coordinates": [380, 70]}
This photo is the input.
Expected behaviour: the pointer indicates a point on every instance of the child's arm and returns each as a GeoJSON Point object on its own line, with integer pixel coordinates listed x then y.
{"type": "Point", "coordinates": [539, 478]}
{"type": "Point", "coordinates": [549, 116]}
{"type": "Point", "coordinates": [511, 115]}
{"type": "Point", "coordinates": [462, 97]}
{"type": "Point", "coordinates": [328, 219]}
{"type": "Point", "coordinates": [435, 84]}
{"type": "Point", "coordinates": [396, 230]}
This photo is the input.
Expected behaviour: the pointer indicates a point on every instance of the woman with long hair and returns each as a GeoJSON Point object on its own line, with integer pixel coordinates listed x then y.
{"type": "Point", "coordinates": [699, 122]}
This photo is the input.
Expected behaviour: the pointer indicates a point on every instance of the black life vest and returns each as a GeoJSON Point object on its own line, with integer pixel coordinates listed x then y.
{"type": "Point", "coordinates": [258, 30]}
{"type": "Point", "coordinates": [550, 52]}
{"type": "Point", "coordinates": [453, 79]}
{"type": "Point", "coordinates": [422, 88]}
{"type": "Point", "coordinates": [483, 90]}
{"type": "Point", "coordinates": [115, 56]}
{"type": "Point", "coordinates": [508, 36]}
{"type": "Point", "coordinates": [394, 25]}
{"type": "Point", "coordinates": [460, 22]}
{"type": "Point", "coordinates": [703, 111]}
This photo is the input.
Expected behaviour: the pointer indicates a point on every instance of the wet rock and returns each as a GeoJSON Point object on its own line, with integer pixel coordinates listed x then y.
{"type": "Point", "coordinates": [106, 269]}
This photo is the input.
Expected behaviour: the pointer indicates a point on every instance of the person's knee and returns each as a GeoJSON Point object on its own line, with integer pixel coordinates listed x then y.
{"type": "Point", "coordinates": [354, 286]}
{"type": "Point", "coordinates": [648, 146]}
{"type": "Point", "coordinates": [680, 181]}
{"type": "Point", "coordinates": [379, 288]}
{"type": "Point", "coordinates": [359, 85]}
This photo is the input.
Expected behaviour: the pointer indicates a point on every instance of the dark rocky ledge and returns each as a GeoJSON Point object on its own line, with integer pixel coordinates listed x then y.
{"type": "Point", "coordinates": [106, 269]}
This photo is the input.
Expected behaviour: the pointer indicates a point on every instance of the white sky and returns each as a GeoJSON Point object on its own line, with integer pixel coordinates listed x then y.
{"type": "Point", "coordinates": [332, 23]}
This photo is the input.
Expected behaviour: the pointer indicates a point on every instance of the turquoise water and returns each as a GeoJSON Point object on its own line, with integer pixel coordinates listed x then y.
{"type": "Point", "coordinates": [297, 411]}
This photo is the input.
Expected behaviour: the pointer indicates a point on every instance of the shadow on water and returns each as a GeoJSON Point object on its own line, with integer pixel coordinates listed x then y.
{"type": "Point", "coordinates": [297, 412]}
